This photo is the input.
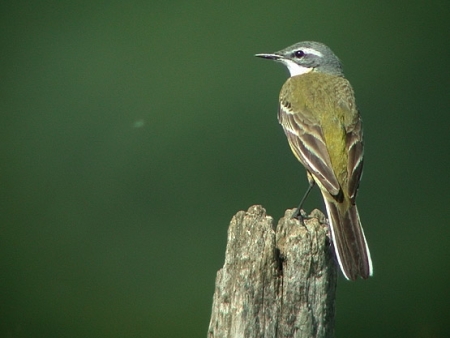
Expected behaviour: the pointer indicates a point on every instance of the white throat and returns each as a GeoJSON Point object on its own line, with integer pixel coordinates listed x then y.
{"type": "Point", "coordinates": [294, 68]}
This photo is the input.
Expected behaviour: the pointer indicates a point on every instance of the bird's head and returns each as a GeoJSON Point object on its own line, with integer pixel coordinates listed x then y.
{"type": "Point", "coordinates": [307, 56]}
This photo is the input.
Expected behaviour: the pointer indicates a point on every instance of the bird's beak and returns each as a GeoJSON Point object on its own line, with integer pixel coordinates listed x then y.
{"type": "Point", "coordinates": [274, 57]}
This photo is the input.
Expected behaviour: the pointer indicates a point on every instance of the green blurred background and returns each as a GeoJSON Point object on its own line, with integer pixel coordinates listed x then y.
{"type": "Point", "coordinates": [131, 133]}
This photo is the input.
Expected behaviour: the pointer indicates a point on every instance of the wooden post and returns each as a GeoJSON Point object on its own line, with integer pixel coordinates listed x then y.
{"type": "Point", "coordinates": [275, 282]}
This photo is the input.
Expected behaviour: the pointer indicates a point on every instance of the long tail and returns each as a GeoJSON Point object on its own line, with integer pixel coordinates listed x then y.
{"type": "Point", "coordinates": [349, 241]}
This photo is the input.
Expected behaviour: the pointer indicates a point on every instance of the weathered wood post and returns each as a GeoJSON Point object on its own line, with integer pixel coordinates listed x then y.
{"type": "Point", "coordinates": [276, 282]}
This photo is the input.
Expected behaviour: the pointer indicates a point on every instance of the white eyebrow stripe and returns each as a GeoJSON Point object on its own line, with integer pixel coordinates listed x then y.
{"type": "Point", "coordinates": [312, 51]}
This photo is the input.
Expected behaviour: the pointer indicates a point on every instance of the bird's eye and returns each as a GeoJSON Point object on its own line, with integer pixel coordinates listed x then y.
{"type": "Point", "coordinates": [299, 54]}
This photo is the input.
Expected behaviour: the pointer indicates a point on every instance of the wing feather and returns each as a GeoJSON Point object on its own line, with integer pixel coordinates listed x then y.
{"type": "Point", "coordinates": [308, 145]}
{"type": "Point", "coordinates": [355, 149]}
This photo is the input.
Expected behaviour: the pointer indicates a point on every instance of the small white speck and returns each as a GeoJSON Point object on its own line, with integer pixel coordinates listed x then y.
{"type": "Point", "coordinates": [139, 123]}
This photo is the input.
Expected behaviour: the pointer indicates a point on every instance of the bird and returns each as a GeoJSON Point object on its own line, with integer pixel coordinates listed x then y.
{"type": "Point", "coordinates": [323, 126]}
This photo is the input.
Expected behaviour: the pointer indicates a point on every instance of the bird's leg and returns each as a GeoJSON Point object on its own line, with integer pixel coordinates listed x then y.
{"type": "Point", "coordinates": [297, 213]}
